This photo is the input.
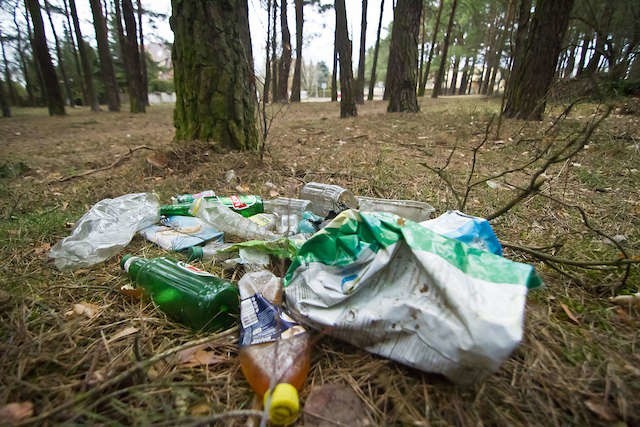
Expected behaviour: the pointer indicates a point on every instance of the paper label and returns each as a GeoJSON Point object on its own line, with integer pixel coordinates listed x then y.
{"type": "Point", "coordinates": [193, 269]}
{"type": "Point", "coordinates": [262, 321]}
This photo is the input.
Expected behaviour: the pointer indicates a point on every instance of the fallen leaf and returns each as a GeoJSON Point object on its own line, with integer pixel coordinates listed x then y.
{"type": "Point", "coordinates": [158, 160]}
{"type": "Point", "coordinates": [626, 300]}
{"type": "Point", "coordinates": [335, 405]}
{"type": "Point", "coordinates": [242, 189]}
{"type": "Point", "coordinates": [13, 413]}
{"type": "Point", "coordinates": [129, 330]}
{"type": "Point", "coordinates": [198, 356]}
{"type": "Point", "coordinates": [569, 314]}
{"type": "Point", "coordinates": [200, 409]}
{"type": "Point", "coordinates": [130, 291]}
{"type": "Point", "coordinates": [273, 193]}
{"type": "Point", "coordinates": [83, 309]}
{"type": "Point", "coordinates": [96, 377]}
{"type": "Point", "coordinates": [41, 249]}
{"type": "Point", "coordinates": [602, 410]}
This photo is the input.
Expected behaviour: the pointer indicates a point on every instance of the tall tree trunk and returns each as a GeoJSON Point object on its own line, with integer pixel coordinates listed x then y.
{"type": "Point", "coordinates": [6, 110]}
{"type": "Point", "coordinates": [274, 58]}
{"type": "Point", "coordinates": [445, 51]}
{"type": "Point", "coordinates": [285, 61]}
{"type": "Point", "coordinates": [425, 76]}
{"type": "Point", "coordinates": [454, 76]}
{"type": "Point", "coordinates": [531, 80]}
{"type": "Point", "coordinates": [65, 79]}
{"type": "Point", "coordinates": [359, 95]}
{"type": "Point", "coordinates": [372, 81]}
{"type": "Point", "coordinates": [464, 80]}
{"type": "Point", "coordinates": [23, 60]}
{"type": "Point", "coordinates": [11, 90]}
{"type": "Point", "coordinates": [137, 102]}
{"type": "Point", "coordinates": [583, 54]}
{"type": "Point", "coordinates": [41, 88]}
{"type": "Point", "coordinates": [471, 73]}
{"type": "Point", "coordinates": [55, 102]}
{"type": "Point", "coordinates": [334, 73]}
{"type": "Point", "coordinates": [297, 69]}
{"type": "Point", "coordinates": [592, 66]}
{"type": "Point", "coordinates": [106, 61]}
{"type": "Point", "coordinates": [423, 44]}
{"type": "Point", "coordinates": [214, 74]}
{"type": "Point", "coordinates": [143, 58]}
{"type": "Point", "coordinates": [347, 99]}
{"type": "Point", "coordinates": [403, 57]}
{"type": "Point", "coordinates": [74, 51]}
{"type": "Point", "coordinates": [268, 58]}
{"type": "Point", "coordinates": [571, 62]}
{"type": "Point", "coordinates": [84, 58]}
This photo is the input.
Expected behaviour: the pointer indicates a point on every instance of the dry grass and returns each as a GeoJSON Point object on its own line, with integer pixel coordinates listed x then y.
{"type": "Point", "coordinates": [88, 371]}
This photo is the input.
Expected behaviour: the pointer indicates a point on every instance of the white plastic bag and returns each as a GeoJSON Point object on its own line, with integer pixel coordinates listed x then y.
{"type": "Point", "coordinates": [105, 230]}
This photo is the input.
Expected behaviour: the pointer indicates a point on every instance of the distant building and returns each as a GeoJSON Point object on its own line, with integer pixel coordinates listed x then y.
{"type": "Point", "coordinates": [161, 54]}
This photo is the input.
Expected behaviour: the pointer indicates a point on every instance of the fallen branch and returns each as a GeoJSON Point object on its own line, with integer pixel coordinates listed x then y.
{"type": "Point", "coordinates": [115, 163]}
{"type": "Point", "coordinates": [582, 264]}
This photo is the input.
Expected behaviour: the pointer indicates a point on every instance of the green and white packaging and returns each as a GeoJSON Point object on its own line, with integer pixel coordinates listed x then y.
{"type": "Point", "coordinates": [402, 291]}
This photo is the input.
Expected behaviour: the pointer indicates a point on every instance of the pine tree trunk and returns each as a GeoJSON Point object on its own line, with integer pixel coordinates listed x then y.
{"type": "Point", "coordinates": [347, 89]}
{"type": "Point", "coordinates": [530, 80]}
{"type": "Point", "coordinates": [143, 58]}
{"type": "Point", "coordinates": [403, 57]}
{"type": "Point", "coordinates": [267, 73]}
{"type": "Point", "coordinates": [425, 76]}
{"type": "Point", "coordinates": [84, 59]}
{"type": "Point", "coordinates": [274, 58]}
{"type": "Point", "coordinates": [106, 61]}
{"type": "Point", "coordinates": [23, 61]}
{"type": "Point", "coordinates": [334, 73]}
{"type": "Point", "coordinates": [214, 78]}
{"type": "Point", "coordinates": [55, 102]}
{"type": "Point", "coordinates": [285, 61]}
{"type": "Point", "coordinates": [65, 79]}
{"type": "Point", "coordinates": [359, 95]}
{"type": "Point", "coordinates": [464, 80]}
{"type": "Point", "coordinates": [11, 90]}
{"type": "Point", "coordinates": [372, 81]}
{"type": "Point", "coordinates": [454, 76]}
{"type": "Point", "coordinates": [6, 110]}
{"type": "Point", "coordinates": [423, 44]}
{"type": "Point", "coordinates": [131, 51]}
{"type": "Point", "coordinates": [297, 69]}
{"type": "Point", "coordinates": [583, 54]}
{"type": "Point", "coordinates": [445, 51]}
{"type": "Point", "coordinates": [74, 51]}
{"type": "Point", "coordinates": [40, 89]}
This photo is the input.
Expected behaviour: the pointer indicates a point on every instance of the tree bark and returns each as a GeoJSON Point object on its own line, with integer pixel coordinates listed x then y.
{"type": "Point", "coordinates": [445, 51]}
{"type": "Point", "coordinates": [11, 90]}
{"type": "Point", "coordinates": [359, 95]}
{"type": "Point", "coordinates": [372, 81]}
{"type": "Point", "coordinates": [40, 88]}
{"type": "Point", "coordinates": [425, 76]}
{"type": "Point", "coordinates": [347, 99]}
{"type": "Point", "coordinates": [131, 51]}
{"type": "Point", "coordinates": [297, 69]}
{"type": "Point", "coordinates": [84, 59]}
{"type": "Point", "coordinates": [334, 73]}
{"type": "Point", "coordinates": [106, 61]}
{"type": "Point", "coordinates": [23, 60]}
{"type": "Point", "coordinates": [285, 60]}
{"type": "Point", "coordinates": [6, 110]}
{"type": "Point", "coordinates": [583, 54]}
{"type": "Point", "coordinates": [74, 51]}
{"type": "Point", "coordinates": [63, 71]}
{"type": "Point", "coordinates": [214, 78]}
{"type": "Point", "coordinates": [531, 78]}
{"type": "Point", "coordinates": [274, 58]}
{"type": "Point", "coordinates": [54, 98]}
{"type": "Point", "coordinates": [267, 69]}
{"type": "Point", "coordinates": [403, 57]}
{"type": "Point", "coordinates": [143, 58]}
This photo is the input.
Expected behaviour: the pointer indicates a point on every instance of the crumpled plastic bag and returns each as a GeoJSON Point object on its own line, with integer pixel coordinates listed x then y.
{"type": "Point", "coordinates": [105, 230]}
{"type": "Point", "coordinates": [399, 290]}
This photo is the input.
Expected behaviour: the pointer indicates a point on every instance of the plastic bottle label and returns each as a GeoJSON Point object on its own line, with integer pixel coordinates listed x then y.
{"type": "Point", "coordinates": [237, 203]}
{"type": "Point", "coordinates": [261, 321]}
{"type": "Point", "coordinates": [193, 269]}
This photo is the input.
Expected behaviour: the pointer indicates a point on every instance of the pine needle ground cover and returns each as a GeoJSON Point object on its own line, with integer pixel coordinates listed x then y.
{"type": "Point", "coordinates": [76, 350]}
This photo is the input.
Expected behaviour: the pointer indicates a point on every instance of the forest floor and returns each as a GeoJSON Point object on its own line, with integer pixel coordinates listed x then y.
{"type": "Point", "coordinates": [578, 364]}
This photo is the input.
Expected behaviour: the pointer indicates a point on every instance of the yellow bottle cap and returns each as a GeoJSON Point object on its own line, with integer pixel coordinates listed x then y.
{"type": "Point", "coordinates": [284, 405]}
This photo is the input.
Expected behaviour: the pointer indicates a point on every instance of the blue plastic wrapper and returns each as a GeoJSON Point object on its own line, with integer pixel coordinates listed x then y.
{"type": "Point", "coordinates": [475, 232]}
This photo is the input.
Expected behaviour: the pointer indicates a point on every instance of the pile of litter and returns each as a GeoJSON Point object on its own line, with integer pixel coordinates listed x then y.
{"type": "Point", "coordinates": [433, 294]}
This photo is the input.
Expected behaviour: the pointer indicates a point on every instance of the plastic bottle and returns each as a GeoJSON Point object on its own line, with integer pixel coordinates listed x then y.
{"type": "Point", "coordinates": [229, 222]}
{"type": "Point", "coordinates": [185, 293]}
{"type": "Point", "coordinates": [286, 205]}
{"type": "Point", "coordinates": [212, 250]}
{"type": "Point", "coordinates": [410, 209]}
{"type": "Point", "coordinates": [245, 205]}
{"type": "Point", "coordinates": [274, 350]}
{"type": "Point", "coordinates": [328, 199]}
{"type": "Point", "coordinates": [188, 198]}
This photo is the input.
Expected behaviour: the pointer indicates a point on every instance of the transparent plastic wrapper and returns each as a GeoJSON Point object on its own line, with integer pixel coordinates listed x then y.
{"type": "Point", "coordinates": [105, 230]}
{"type": "Point", "coordinates": [410, 209]}
{"type": "Point", "coordinates": [175, 233]}
{"type": "Point", "coordinates": [397, 289]}
{"type": "Point", "coordinates": [286, 205]}
{"type": "Point", "coordinates": [228, 221]}
{"type": "Point", "coordinates": [472, 230]}
{"type": "Point", "coordinates": [328, 199]}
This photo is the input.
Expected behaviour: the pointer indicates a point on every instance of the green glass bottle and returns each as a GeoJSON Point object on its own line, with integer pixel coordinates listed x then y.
{"type": "Point", "coordinates": [185, 293]}
{"type": "Point", "coordinates": [245, 205]}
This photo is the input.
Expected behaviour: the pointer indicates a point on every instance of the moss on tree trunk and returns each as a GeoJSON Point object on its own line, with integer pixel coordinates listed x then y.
{"type": "Point", "coordinates": [213, 73]}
